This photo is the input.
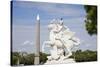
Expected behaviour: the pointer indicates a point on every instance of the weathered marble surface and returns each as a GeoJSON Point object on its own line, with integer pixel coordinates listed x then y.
{"type": "Point", "coordinates": [61, 40]}
{"type": "Point", "coordinates": [69, 60]}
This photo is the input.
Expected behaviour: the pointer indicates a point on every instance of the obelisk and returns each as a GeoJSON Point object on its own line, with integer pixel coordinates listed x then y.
{"type": "Point", "coordinates": [37, 44]}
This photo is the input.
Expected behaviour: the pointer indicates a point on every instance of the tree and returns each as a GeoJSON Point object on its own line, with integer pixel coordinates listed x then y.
{"type": "Point", "coordinates": [91, 19]}
{"type": "Point", "coordinates": [43, 57]}
{"type": "Point", "coordinates": [84, 56]}
{"type": "Point", "coordinates": [15, 58]}
{"type": "Point", "coordinates": [27, 59]}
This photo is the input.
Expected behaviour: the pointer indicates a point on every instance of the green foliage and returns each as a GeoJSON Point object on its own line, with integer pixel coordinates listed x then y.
{"type": "Point", "coordinates": [15, 60]}
{"type": "Point", "coordinates": [28, 59]}
{"type": "Point", "coordinates": [15, 57]}
{"type": "Point", "coordinates": [91, 19]}
{"type": "Point", "coordinates": [43, 57]}
{"type": "Point", "coordinates": [84, 56]}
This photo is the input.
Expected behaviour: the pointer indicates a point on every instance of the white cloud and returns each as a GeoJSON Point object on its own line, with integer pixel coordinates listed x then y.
{"type": "Point", "coordinates": [27, 43]}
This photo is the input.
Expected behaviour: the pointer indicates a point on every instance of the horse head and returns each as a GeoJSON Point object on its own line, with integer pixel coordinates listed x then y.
{"type": "Point", "coordinates": [53, 25]}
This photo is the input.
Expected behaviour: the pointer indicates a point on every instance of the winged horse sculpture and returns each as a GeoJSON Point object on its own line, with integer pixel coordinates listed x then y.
{"type": "Point", "coordinates": [60, 40]}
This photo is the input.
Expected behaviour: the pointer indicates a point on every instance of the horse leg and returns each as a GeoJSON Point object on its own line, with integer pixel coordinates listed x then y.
{"type": "Point", "coordinates": [44, 44]}
{"type": "Point", "coordinates": [68, 46]}
{"type": "Point", "coordinates": [69, 53]}
{"type": "Point", "coordinates": [49, 58]}
{"type": "Point", "coordinates": [61, 54]}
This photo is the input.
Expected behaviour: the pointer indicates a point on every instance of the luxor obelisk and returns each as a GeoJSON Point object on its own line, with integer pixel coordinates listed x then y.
{"type": "Point", "coordinates": [37, 44]}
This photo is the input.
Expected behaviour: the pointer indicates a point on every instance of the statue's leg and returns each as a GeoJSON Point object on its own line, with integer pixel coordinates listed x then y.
{"type": "Point", "coordinates": [49, 43]}
{"type": "Point", "coordinates": [49, 58]}
{"type": "Point", "coordinates": [61, 54]}
{"type": "Point", "coordinates": [54, 54]}
{"type": "Point", "coordinates": [69, 54]}
{"type": "Point", "coordinates": [68, 45]}
{"type": "Point", "coordinates": [44, 43]}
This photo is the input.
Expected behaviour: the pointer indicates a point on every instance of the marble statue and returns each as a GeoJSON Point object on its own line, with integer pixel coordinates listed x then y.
{"type": "Point", "coordinates": [61, 40]}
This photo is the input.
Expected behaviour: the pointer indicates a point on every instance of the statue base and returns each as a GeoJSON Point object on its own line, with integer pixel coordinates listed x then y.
{"type": "Point", "coordinates": [69, 60]}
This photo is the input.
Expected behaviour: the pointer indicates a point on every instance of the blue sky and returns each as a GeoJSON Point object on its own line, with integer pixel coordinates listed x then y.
{"type": "Point", "coordinates": [24, 18]}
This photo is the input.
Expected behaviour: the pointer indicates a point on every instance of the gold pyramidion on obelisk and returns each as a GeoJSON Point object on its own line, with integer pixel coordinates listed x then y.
{"type": "Point", "coordinates": [37, 44]}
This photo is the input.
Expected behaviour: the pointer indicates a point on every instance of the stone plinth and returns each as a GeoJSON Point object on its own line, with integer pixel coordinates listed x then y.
{"type": "Point", "coordinates": [69, 60]}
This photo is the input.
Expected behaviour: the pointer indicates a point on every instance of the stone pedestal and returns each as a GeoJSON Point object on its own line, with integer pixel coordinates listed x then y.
{"type": "Point", "coordinates": [69, 60]}
{"type": "Point", "coordinates": [36, 61]}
